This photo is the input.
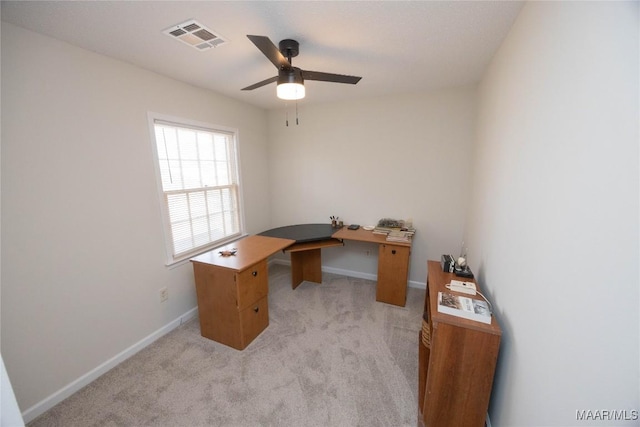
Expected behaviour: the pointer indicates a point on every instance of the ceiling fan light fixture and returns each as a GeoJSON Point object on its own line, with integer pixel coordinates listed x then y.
{"type": "Point", "coordinates": [290, 91]}
{"type": "Point", "coordinates": [290, 85]}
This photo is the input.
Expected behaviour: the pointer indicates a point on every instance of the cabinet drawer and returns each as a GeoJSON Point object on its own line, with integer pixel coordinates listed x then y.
{"type": "Point", "coordinates": [253, 320]}
{"type": "Point", "coordinates": [252, 284]}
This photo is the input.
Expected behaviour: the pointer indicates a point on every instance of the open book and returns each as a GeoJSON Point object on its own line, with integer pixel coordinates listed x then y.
{"type": "Point", "coordinates": [467, 308]}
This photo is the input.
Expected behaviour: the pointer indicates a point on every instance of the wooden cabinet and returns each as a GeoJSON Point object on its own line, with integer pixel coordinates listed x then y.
{"type": "Point", "coordinates": [232, 291]}
{"type": "Point", "coordinates": [393, 274]}
{"type": "Point", "coordinates": [457, 360]}
{"type": "Point", "coordinates": [236, 303]}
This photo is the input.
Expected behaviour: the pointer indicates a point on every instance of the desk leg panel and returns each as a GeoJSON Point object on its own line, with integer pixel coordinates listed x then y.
{"type": "Point", "coordinates": [306, 265]}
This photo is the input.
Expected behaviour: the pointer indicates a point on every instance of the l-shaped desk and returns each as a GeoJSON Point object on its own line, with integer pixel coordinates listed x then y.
{"type": "Point", "coordinates": [232, 291]}
{"type": "Point", "coordinates": [306, 258]}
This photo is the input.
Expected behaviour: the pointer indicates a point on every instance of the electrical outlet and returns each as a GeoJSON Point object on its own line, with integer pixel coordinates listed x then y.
{"type": "Point", "coordinates": [164, 294]}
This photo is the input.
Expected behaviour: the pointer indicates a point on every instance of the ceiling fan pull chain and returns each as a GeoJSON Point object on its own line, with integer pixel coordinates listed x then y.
{"type": "Point", "coordinates": [286, 115]}
{"type": "Point", "coordinates": [296, 113]}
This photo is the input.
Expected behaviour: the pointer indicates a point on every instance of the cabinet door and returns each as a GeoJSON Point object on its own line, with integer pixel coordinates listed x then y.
{"type": "Point", "coordinates": [393, 272]}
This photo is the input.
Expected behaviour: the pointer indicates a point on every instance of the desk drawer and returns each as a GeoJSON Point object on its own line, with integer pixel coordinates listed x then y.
{"type": "Point", "coordinates": [252, 284]}
{"type": "Point", "coordinates": [253, 320]}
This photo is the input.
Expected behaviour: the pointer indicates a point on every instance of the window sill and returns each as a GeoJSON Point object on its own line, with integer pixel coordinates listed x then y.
{"type": "Point", "coordinates": [187, 258]}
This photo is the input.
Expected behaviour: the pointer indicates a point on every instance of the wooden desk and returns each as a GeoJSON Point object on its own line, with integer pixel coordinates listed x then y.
{"type": "Point", "coordinates": [456, 361]}
{"type": "Point", "coordinates": [232, 291]}
{"type": "Point", "coordinates": [393, 264]}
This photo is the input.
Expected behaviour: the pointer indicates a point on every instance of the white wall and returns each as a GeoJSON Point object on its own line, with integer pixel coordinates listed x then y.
{"type": "Point", "coordinates": [556, 178]}
{"type": "Point", "coordinates": [402, 156]}
{"type": "Point", "coordinates": [553, 227]}
{"type": "Point", "coordinates": [82, 242]}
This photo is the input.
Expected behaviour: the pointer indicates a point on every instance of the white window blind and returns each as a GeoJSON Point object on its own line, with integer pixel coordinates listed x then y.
{"type": "Point", "coordinates": [199, 179]}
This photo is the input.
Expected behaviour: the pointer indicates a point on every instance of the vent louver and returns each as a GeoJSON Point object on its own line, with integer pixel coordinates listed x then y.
{"type": "Point", "coordinates": [196, 35]}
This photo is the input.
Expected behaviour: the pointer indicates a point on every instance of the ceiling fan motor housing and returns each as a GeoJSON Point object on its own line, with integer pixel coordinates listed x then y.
{"type": "Point", "coordinates": [289, 48]}
{"type": "Point", "coordinates": [291, 75]}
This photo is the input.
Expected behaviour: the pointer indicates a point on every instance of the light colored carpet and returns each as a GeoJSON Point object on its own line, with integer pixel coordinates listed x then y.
{"type": "Point", "coordinates": [331, 356]}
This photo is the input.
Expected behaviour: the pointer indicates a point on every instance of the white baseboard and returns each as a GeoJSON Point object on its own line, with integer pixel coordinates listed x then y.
{"type": "Point", "coordinates": [57, 397]}
{"type": "Point", "coordinates": [351, 273]}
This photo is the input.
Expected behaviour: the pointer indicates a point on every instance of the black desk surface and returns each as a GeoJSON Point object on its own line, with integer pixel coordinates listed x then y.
{"type": "Point", "coordinates": [303, 232]}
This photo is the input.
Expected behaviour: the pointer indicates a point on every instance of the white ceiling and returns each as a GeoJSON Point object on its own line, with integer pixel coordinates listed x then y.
{"type": "Point", "coordinates": [396, 46]}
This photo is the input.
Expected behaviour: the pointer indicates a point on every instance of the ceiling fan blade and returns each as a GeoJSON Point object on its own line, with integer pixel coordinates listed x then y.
{"type": "Point", "coordinates": [329, 77]}
{"type": "Point", "coordinates": [270, 50]}
{"type": "Point", "coordinates": [262, 83]}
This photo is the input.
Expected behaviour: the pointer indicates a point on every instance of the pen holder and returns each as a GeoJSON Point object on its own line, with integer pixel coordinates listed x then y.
{"type": "Point", "coordinates": [334, 223]}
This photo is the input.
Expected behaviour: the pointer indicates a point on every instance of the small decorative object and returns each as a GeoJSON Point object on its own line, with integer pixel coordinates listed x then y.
{"type": "Point", "coordinates": [334, 221]}
{"type": "Point", "coordinates": [462, 266]}
{"type": "Point", "coordinates": [228, 252]}
{"type": "Point", "coordinates": [462, 259]}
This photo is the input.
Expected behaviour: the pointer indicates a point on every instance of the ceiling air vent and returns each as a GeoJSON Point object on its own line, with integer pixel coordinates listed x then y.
{"type": "Point", "coordinates": [195, 35]}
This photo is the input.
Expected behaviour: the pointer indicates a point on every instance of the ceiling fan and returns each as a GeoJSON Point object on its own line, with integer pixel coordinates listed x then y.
{"type": "Point", "coordinates": [291, 79]}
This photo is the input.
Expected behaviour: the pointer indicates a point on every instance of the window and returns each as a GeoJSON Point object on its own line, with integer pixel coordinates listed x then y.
{"type": "Point", "coordinates": [198, 180]}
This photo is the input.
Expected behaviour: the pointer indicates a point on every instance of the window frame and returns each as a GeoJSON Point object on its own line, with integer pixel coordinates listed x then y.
{"type": "Point", "coordinates": [176, 260]}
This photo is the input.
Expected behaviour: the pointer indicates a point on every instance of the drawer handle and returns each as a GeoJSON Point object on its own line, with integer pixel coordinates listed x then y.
{"type": "Point", "coordinates": [393, 251]}
{"type": "Point", "coordinates": [256, 309]}
{"type": "Point", "coordinates": [254, 273]}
